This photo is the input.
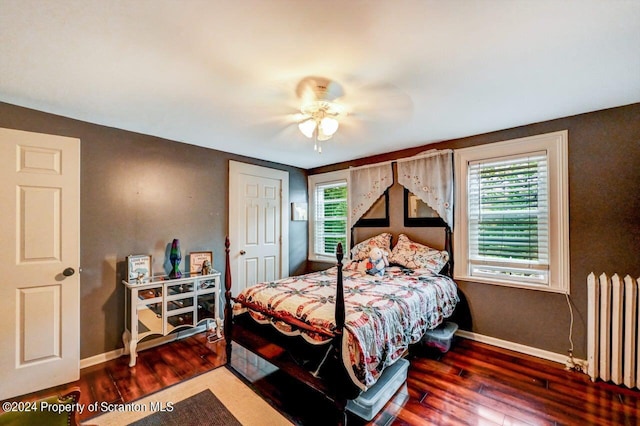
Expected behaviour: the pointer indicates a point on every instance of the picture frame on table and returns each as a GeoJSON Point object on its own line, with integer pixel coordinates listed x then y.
{"type": "Point", "coordinates": [139, 268]}
{"type": "Point", "coordinates": [197, 259]}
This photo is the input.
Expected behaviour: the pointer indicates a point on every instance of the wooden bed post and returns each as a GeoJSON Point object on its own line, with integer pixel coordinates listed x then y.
{"type": "Point", "coordinates": [228, 311]}
{"type": "Point", "coordinates": [340, 315]}
{"type": "Point", "coordinates": [449, 249]}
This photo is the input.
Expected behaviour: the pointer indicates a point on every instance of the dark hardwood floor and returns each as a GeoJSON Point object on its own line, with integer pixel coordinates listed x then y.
{"type": "Point", "coordinates": [474, 384]}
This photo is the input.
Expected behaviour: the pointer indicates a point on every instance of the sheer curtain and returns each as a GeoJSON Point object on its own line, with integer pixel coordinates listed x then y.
{"type": "Point", "coordinates": [430, 177]}
{"type": "Point", "coordinates": [366, 185]}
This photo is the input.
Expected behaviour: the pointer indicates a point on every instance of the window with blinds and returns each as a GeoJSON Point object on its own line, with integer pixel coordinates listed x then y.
{"type": "Point", "coordinates": [512, 213]}
{"type": "Point", "coordinates": [508, 218]}
{"type": "Point", "coordinates": [330, 220]}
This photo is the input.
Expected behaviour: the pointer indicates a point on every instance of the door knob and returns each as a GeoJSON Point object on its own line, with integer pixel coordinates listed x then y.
{"type": "Point", "coordinates": [68, 272]}
{"type": "Point", "coordinates": [242, 252]}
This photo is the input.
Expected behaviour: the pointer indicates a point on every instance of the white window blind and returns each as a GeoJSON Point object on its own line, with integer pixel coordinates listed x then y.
{"type": "Point", "coordinates": [508, 218]}
{"type": "Point", "coordinates": [330, 221]}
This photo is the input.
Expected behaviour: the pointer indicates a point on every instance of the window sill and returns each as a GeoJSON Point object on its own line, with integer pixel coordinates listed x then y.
{"type": "Point", "coordinates": [327, 259]}
{"type": "Point", "coordinates": [536, 287]}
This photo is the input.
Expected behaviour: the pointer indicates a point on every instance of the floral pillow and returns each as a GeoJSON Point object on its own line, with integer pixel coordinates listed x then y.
{"type": "Point", "coordinates": [361, 251]}
{"type": "Point", "coordinates": [414, 255]}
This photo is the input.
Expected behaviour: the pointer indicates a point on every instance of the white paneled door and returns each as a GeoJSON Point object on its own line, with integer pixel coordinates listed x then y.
{"type": "Point", "coordinates": [39, 261]}
{"type": "Point", "coordinates": [257, 224]}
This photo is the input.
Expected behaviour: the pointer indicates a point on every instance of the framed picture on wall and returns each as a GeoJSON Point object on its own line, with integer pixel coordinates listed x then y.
{"type": "Point", "coordinates": [298, 211]}
{"type": "Point", "coordinates": [138, 268]}
{"type": "Point", "coordinates": [197, 259]}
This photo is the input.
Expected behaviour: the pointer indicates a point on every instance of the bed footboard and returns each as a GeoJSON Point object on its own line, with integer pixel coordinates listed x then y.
{"type": "Point", "coordinates": [336, 386]}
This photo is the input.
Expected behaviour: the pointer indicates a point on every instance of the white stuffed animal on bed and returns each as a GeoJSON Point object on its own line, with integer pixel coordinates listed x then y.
{"type": "Point", "coordinates": [377, 261]}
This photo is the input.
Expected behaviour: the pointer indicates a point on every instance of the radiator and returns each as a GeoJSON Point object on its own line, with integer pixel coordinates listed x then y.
{"type": "Point", "coordinates": [613, 318]}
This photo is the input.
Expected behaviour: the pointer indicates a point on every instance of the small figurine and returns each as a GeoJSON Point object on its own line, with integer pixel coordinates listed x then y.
{"type": "Point", "coordinates": [206, 268]}
{"type": "Point", "coordinates": [140, 278]}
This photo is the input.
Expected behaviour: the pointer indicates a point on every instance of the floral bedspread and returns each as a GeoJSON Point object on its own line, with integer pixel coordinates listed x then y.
{"type": "Point", "coordinates": [383, 314]}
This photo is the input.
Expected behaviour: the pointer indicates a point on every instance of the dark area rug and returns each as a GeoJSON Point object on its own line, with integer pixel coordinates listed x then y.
{"type": "Point", "coordinates": [202, 409]}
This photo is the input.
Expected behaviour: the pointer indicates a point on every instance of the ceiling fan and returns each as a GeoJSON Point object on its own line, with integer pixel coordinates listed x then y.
{"type": "Point", "coordinates": [320, 109]}
{"type": "Point", "coordinates": [324, 105]}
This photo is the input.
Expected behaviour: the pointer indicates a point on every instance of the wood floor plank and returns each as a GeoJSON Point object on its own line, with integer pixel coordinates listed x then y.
{"type": "Point", "coordinates": [474, 383]}
{"type": "Point", "coordinates": [463, 409]}
{"type": "Point", "coordinates": [192, 355]}
{"type": "Point", "coordinates": [469, 389]}
{"type": "Point", "coordinates": [135, 382]}
{"type": "Point", "coordinates": [164, 373]}
{"type": "Point", "coordinates": [495, 369]}
{"type": "Point", "coordinates": [170, 356]}
{"type": "Point", "coordinates": [416, 413]}
{"type": "Point", "coordinates": [562, 413]}
{"type": "Point", "coordinates": [532, 398]}
{"type": "Point", "coordinates": [542, 369]}
{"type": "Point", "coordinates": [102, 386]}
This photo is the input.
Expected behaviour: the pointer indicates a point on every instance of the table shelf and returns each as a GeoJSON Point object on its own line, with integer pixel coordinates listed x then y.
{"type": "Point", "coordinates": [161, 305]}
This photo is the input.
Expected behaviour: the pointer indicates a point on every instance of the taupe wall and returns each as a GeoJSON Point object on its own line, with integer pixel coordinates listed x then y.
{"type": "Point", "coordinates": [604, 204]}
{"type": "Point", "coordinates": [139, 192]}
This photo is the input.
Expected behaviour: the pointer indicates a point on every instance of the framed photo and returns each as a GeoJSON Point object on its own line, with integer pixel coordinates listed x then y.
{"type": "Point", "coordinates": [138, 268]}
{"type": "Point", "coordinates": [298, 211]}
{"type": "Point", "coordinates": [196, 260]}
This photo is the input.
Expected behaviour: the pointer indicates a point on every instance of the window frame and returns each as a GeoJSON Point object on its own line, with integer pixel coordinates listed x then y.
{"type": "Point", "coordinates": [555, 144]}
{"type": "Point", "coordinates": [324, 179]}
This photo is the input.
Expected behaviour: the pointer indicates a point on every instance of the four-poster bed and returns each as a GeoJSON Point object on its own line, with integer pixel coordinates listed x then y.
{"type": "Point", "coordinates": [336, 330]}
{"type": "Point", "coordinates": [345, 354]}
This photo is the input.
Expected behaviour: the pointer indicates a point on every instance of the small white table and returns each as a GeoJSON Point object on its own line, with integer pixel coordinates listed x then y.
{"type": "Point", "coordinates": [162, 305]}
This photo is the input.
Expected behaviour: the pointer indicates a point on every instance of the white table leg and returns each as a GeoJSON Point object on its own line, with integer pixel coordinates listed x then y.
{"type": "Point", "coordinates": [133, 345]}
{"type": "Point", "coordinates": [126, 338]}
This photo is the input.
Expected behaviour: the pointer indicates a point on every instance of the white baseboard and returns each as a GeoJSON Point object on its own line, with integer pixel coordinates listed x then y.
{"type": "Point", "coordinates": [517, 347]}
{"type": "Point", "coordinates": [100, 358]}
{"type": "Point", "coordinates": [117, 353]}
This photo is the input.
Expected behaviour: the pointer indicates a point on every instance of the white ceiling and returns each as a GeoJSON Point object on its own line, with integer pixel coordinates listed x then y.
{"type": "Point", "coordinates": [222, 74]}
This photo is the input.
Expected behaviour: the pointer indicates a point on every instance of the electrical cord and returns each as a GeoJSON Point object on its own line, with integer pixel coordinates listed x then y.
{"type": "Point", "coordinates": [570, 325]}
{"type": "Point", "coordinates": [571, 363]}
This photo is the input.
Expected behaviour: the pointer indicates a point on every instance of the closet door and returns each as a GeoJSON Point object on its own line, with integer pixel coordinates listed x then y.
{"type": "Point", "coordinates": [258, 200]}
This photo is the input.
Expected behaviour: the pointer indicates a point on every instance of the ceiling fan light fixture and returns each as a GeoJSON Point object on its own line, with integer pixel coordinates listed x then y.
{"type": "Point", "coordinates": [329, 126]}
{"type": "Point", "coordinates": [307, 127]}
{"type": "Point", "coordinates": [320, 113]}
{"type": "Point", "coordinates": [322, 119]}
{"type": "Point", "coordinates": [321, 136]}
{"type": "Point", "coordinates": [322, 108]}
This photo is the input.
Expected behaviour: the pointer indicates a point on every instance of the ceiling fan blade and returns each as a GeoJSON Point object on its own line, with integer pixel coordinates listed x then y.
{"type": "Point", "coordinates": [379, 102]}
